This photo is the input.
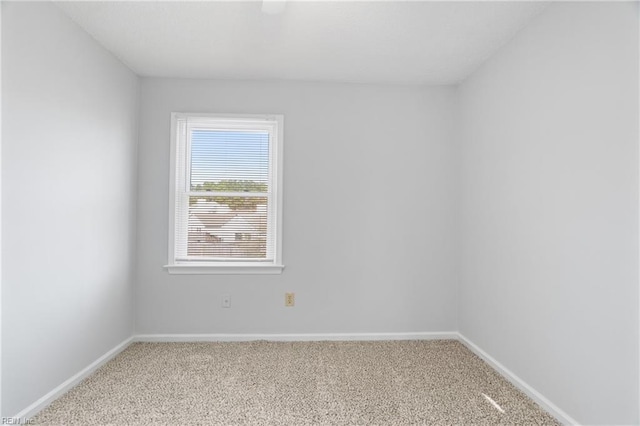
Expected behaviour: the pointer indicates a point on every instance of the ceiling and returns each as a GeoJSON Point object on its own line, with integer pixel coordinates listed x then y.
{"type": "Point", "coordinates": [395, 42]}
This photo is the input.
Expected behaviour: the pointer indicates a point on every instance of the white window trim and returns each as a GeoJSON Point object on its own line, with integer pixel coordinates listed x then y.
{"type": "Point", "coordinates": [232, 267]}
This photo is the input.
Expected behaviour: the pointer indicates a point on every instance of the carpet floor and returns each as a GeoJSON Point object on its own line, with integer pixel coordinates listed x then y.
{"type": "Point", "coordinates": [436, 382]}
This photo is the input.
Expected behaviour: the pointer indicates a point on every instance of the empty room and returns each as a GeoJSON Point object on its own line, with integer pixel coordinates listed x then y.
{"type": "Point", "coordinates": [319, 213]}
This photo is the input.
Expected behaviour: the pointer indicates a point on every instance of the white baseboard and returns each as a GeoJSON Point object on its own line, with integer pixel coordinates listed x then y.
{"type": "Point", "coordinates": [550, 407]}
{"type": "Point", "coordinates": [63, 388]}
{"type": "Point", "coordinates": [306, 337]}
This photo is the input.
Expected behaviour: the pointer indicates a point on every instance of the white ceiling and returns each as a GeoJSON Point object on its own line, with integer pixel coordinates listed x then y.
{"type": "Point", "coordinates": [366, 42]}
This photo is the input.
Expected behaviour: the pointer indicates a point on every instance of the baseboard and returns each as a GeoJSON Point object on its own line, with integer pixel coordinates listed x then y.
{"type": "Point", "coordinates": [550, 407]}
{"type": "Point", "coordinates": [56, 393]}
{"type": "Point", "coordinates": [306, 337]}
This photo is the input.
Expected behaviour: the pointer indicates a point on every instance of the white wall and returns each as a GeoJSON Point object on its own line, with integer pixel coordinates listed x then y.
{"type": "Point", "coordinates": [69, 112]}
{"type": "Point", "coordinates": [0, 213]}
{"type": "Point", "coordinates": [549, 209]}
{"type": "Point", "coordinates": [368, 217]}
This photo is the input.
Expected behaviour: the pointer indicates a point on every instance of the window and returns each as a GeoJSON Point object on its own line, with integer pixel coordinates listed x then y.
{"type": "Point", "coordinates": [226, 194]}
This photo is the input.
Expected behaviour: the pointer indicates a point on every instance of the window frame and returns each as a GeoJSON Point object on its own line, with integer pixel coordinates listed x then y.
{"type": "Point", "coordinates": [204, 267]}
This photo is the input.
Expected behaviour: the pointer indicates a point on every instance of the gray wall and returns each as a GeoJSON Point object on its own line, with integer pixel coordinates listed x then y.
{"type": "Point", "coordinates": [368, 223]}
{"type": "Point", "coordinates": [549, 209]}
{"type": "Point", "coordinates": [69, 112]}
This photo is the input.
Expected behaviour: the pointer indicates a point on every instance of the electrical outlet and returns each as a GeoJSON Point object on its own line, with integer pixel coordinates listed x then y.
{"type": "Point", "coordinates": [226, 301]}
{"type": "Point", "coordinates": [289, 299]}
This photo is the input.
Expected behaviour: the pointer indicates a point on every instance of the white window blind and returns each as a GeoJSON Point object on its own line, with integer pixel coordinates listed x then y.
{"type": "Point", "coordinates": [227, 194]}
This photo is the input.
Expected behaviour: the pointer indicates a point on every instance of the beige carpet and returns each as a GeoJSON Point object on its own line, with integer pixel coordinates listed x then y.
{"type": "Point", "coordinates": [295, 383]}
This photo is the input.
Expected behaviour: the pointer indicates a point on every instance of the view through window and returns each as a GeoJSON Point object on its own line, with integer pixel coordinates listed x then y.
{"type": "Point", "coordinates": [229, 194]}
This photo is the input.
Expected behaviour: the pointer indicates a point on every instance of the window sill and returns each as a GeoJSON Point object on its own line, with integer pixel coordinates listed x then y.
{"type": "Point", "coordinates": [224, 269]}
